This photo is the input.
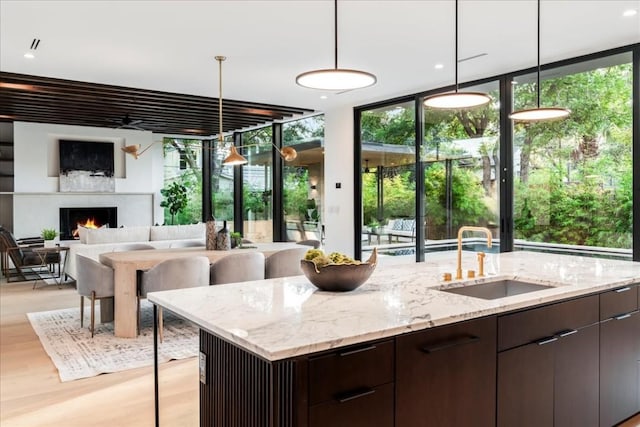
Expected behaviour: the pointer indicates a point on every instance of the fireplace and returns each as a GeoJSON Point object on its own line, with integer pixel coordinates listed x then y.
{"type": "Point", "coordinates": [91, 217]}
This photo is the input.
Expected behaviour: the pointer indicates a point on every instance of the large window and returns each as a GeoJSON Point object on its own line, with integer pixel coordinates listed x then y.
{"type": "Point", "coordinates": [303, 179]}
{"type": "Point", "coordinates": [388, 179]}
{"type": "Point", "coordinates": [257, 190]}
{"type": "Point", "coordinates": [182, 181]}
{"type": "Point", "coordinates": [573, 178]}
{"type": "Point", "coordinates": [461, 157]}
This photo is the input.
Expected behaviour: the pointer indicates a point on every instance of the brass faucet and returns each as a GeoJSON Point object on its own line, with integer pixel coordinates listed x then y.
{"type": "Point", "coordinates": [460, 231]}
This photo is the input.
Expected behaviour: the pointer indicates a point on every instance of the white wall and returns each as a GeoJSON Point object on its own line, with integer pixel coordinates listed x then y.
{"type": "Point", "coordinates": [338, 168]}
{"type": "Point", "coordinates": [36, 177]}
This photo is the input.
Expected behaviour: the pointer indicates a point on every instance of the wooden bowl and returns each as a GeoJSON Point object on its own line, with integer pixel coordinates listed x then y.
{"type": "Point", "coordinates": [339, 277]}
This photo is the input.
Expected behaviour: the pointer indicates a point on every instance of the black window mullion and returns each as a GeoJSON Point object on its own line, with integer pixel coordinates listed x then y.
{"type": "Point", "coordinates": [419, 164]}
{"type": "Point", "coordinates": [636, 154]}
{"type": "Point", "coordinates": [357, 183]}
{"type": "Point", "coordinates": [238, 185]}
{"type": "Point", "coordinates": [506, 165]}
{"type": "Point", "coordinates": [278, 226]}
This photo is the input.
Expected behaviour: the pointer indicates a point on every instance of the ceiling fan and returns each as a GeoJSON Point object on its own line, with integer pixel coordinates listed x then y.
{"type": "Point", "coordinates": [127, 123]}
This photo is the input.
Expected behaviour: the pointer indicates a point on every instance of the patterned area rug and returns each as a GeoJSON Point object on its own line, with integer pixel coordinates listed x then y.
{"type": "Point", "coordinates": [76, 355]}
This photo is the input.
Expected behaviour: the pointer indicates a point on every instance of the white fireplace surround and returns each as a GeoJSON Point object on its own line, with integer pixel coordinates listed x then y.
{"type": "Point", "coordinates": [37, 198]}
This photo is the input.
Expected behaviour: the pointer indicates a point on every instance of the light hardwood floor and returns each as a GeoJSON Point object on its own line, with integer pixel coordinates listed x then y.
{"type": "Point", "coordinates": [32, 395]}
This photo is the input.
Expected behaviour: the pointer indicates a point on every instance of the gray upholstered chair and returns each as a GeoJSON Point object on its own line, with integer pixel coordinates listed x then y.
{"type": "Point", "coordinates": [95, 280]}
{"type": "Point", "coordinates": [187, 244]}
{"type": "Point", "coordinates": [240, 267]}
{"type": "Point", "coordinates": [284, 263]}
{"type": "Point", "coordinates": [132, 247]}
{"type": "Point", "coordinates": [175, 273]}
{"type": "Point", "coordinates": [310, 242]}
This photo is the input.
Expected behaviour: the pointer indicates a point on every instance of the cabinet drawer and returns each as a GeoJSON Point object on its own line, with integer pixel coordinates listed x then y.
{"type": "Point", "coordinates": [352, 368]}
{"type": "Point", "coordinates": [537, 323]}
{"type": "Point", "coordinates": [371, 407]}
{"type": "Point", "coordinates": [618, 301]}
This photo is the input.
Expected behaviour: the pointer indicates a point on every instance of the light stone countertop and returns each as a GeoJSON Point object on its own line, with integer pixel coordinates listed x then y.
{"type": "Point", "coordinates": [287, 317]}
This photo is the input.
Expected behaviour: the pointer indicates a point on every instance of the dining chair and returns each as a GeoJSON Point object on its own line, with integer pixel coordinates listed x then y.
{"type": "Point", "coordinates": [187, 244]}
{"type": "Point", "coordinates": [175, 273]}
{"type": "Point", "coordinates": [240, 267]}
{"type": "Point", "coordinates": [284, 263]}
{"type": "Point", "coordinates": [132, 247]}
{"type": "Point", "coordinates": [310, 242]}
{"type": "Point", "coordinates": [96, 281]}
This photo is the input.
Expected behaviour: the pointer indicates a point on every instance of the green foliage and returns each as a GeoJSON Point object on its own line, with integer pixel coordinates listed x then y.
{"type": "Point", "coordinates": [175, 198]}
{"type": "Point", "coordinates": [295, 192]}
{"type": "Point", "coordinates": [49, 233]}
{"type": "Point", "coordinates": [575, 183]}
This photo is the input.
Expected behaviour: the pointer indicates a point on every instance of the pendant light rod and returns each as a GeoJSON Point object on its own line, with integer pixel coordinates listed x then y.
{"type": "Point", "coordinates": [335, 33]}
{"type": "Point", "coordinates": [456, 50]}
{"type": "Point", "coordinates": [220, 59]}
{"type": "Point", "coordinates": [538, 77]}
{"type": "Point", "coordinates": [539, 114]}
{"type": "Point", "coordinates": [457, 100]}
{"type": "Point", "coordinates": [335, 79]}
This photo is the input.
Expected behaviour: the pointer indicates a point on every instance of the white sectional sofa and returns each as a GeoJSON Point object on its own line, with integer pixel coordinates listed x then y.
{"type": "Point", "coordinates": [94, 242]}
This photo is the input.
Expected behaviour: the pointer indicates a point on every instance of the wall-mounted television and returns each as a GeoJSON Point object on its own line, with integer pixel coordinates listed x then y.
{"type": "Point", "coordinates": [92, 156]}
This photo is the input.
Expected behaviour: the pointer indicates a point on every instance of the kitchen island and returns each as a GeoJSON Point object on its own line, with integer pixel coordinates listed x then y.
{"type": "Point", "coordinates": [280, 352]}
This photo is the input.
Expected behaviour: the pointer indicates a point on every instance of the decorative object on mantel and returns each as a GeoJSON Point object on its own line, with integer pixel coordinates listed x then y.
{"type": "Point", "coordinates": [539, 114]}
{"type": "Point", "coordinates": [211, 236]}
{"type": "Point", "coordinates": [76, 355]}
{"type": "Point", "coordinates": [336, 272]}
{"type": "Point", "coordinates": [223, 239]}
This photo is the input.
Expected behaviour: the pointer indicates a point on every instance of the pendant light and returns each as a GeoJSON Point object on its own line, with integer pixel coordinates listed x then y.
{"type": "Point", "coordinates": [539, 114]}
{"type": "Point", "coordinates": [334, 79]}
{"type": "Point", "coordinates": [234, 158]}
{"type": "Point", "coordinates": [457, 100]}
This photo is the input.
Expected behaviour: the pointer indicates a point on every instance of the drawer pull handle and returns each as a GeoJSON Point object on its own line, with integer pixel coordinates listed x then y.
{"type": "Point", "coordinates": [622, 316]}
{"type": "Point", "coordinates": [357, 350]}
{"type": "Point", "coordinates": [448, 344]}
{"type": "Point", "coordinates": [567, 333]}
{"type": "Point", "coordinates": [547, 340]}
{"type": "Point", "coordinates": [355, 395]}
{"type": "Point", "coordinates": [622, 289]}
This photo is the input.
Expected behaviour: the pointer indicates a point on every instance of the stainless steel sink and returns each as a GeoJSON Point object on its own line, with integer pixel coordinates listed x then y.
{"type": "Point", "coordinates": [495, 289]}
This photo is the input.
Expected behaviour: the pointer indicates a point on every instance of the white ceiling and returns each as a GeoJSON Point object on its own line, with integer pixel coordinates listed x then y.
{"type": "Point", "coordinates": [170, 45]}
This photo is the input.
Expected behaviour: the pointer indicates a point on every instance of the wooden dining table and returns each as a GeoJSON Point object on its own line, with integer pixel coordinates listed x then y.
{"type": "Point", "coordinates": [127, 264]}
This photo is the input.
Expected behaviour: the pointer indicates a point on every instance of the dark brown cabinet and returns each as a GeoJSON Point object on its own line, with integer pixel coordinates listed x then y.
{"type": "Point", "coordinates": [619, 355]}
{"type": "Point", "coordinates": [548, 365]}
{"type": "Point", "coordinates": [446, 376]}
{"type": "Point", "coordinates": [352, 387]}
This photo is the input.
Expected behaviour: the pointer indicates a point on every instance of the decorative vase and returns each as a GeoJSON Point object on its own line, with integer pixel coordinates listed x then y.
{"type": "Point", "coordinates": [223, 239]}
{"type": "Point", "coordinates": [211, 234]}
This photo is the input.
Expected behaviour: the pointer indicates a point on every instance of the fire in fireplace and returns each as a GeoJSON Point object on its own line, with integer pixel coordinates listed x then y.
{"type": "Point", "coordinates": [90, 217]}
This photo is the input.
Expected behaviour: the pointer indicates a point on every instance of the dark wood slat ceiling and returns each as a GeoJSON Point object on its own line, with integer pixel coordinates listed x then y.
{"type": "Point", "coordinates": [46, 100]}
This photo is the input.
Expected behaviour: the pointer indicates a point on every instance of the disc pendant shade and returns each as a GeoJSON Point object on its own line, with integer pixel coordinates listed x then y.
{"type": "Point", "coordinates": [334, 79]}
{"type": "Point", "coordinates": [457, 100]}
{"type": "Point", "coordinates": [539, 114]}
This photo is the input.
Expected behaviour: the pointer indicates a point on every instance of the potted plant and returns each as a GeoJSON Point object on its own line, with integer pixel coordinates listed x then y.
{"type": "Point", "coordinates": [373, 226]}
{"type": "Point", "coordinates": [236, 239]}
{"type": "Point", "coordinates": [49, 234]}
{"type": "Point", "coordinates": [175, 198]}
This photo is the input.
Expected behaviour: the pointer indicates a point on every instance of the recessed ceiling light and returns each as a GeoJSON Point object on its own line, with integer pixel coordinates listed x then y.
{"type": "Point", "coordinates": [29, 55]}
{"type": "Point", "coordinates": [630, 12]}
{"type": "Point", "coordinates": [438, 66]}
{"type": "Point", "coordinates": [323, 96]}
